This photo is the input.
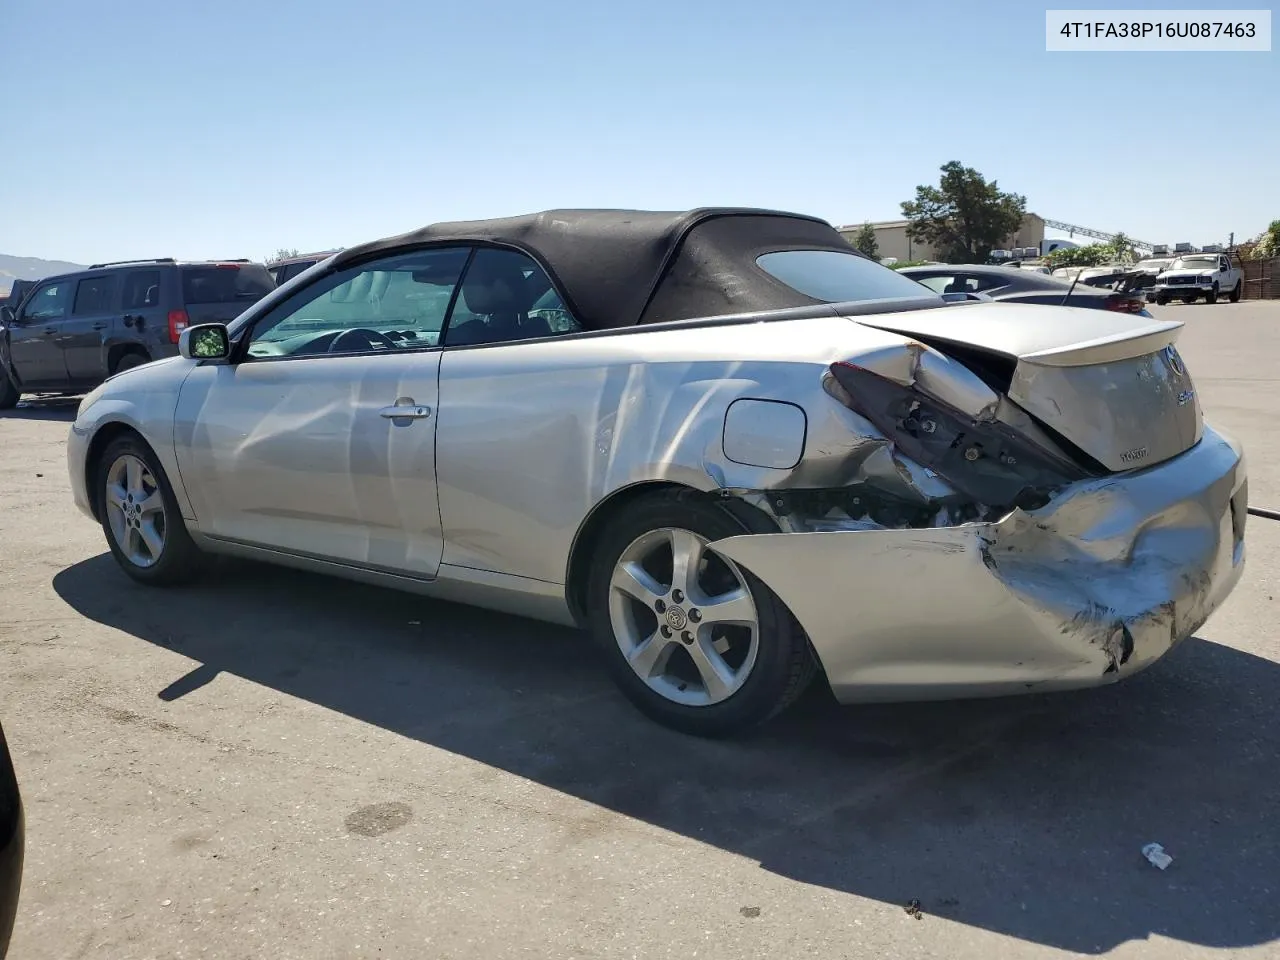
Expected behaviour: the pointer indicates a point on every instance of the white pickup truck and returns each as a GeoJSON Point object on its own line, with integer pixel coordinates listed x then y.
{"type": "Point", "coordinates": [1194, 275]}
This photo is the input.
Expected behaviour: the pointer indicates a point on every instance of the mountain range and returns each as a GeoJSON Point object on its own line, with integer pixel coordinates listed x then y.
{"type": "Point", "coordinates": [30, 268]}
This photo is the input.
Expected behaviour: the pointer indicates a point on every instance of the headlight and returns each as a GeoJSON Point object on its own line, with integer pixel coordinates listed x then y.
{"type": "Point", "coordinates": [1206, 277]}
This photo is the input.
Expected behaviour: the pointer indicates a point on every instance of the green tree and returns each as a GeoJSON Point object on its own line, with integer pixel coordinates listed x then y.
{"type": "Point", "coordinates": [1091, 256]}
{"type": "Point", "coordinates": [282, 254]}
{"type": "Point", "coordinates": [1268, 242]}
{"type": "Point", "coordinates": [965, 217]}
{"type": "Point", "coordinates": [1122, 250]}
{"type": "Point", "coordinates": [865, 241]}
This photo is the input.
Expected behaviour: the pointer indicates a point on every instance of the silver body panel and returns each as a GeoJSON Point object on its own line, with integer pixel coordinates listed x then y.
{"type": "Point", "coordinates": [481, 501]}
{"type": "Point", "coordinates": [1035, 601]}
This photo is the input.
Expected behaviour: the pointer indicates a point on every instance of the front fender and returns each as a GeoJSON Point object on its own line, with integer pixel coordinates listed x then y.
{"type": "Point", "coordinates": [144, 400]}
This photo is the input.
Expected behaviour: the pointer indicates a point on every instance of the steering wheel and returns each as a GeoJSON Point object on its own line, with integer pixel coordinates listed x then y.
{"type": "Point", "coordinates": [371, 338]}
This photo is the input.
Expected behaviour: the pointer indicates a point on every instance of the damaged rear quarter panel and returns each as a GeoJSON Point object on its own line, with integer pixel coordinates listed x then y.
{"type": "Point", "coordinates": [1094, 586]}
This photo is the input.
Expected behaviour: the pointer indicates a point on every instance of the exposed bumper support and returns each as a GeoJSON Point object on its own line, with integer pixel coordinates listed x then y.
{"type": "Point", "coordinates": [1093, 587]}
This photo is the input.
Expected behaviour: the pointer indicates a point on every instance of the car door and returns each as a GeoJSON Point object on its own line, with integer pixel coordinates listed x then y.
{"type": "Point", "coordinates": [143, 318]}
{"type": "Point", "coordinates": [35, 344]}
{"type": "Point", "coordinates": [85, 333]}
{"type": "Point", "coordinates": [513, 451]}
{"type": "Point", "coordinates": [318, 439]}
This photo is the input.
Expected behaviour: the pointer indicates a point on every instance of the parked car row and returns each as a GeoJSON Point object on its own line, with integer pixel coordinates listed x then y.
{"type": "Point", "coordinates": [68, 333]}
{"type": "Point", "coordinates": [1020, 286]}
{"type": "Point", "coordinates": [1187, 277]}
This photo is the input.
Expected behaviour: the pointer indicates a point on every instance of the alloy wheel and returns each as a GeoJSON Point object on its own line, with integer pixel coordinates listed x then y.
{"type": "Point", "coordinates": [135, 510]}
{"type": "Point", "coordinates": [684, 617]}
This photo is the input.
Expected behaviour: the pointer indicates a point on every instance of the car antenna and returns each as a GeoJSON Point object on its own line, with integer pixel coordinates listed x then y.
{"type": "Point", "coordinates": [1072, 288]}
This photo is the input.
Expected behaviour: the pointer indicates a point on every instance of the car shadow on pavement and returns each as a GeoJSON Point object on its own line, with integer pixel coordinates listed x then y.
{"type": "Point", "coordinates": [43, 408]}
{"type": "Point", "coordinates": [1023, 816]}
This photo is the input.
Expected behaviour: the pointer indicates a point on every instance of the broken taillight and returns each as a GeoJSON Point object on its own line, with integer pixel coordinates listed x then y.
{"type": "Point", "coordinates": [1126, 304]}
{"type": "Point", "coordinates": [986, 460]}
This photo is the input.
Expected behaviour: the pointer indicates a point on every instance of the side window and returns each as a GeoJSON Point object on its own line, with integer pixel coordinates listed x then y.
{"type": "Point", "coordinates": [1224, 263]}
{"type": "Point", "coordinates": [292, 270]}
{"type": "Point", "coordinates": [505, 296]}
{"type": "Point", "coordinates": [936, 284]}
{"type": "Point", "coordinates": [141, 289]}
{"type": "Point", "coordinates": [949, 283]}
{"type": "Point", "coordinates": [395, 303]}
{"type": "Point", "coordinates": [987, 283]}
{"type": "Point", "coordinates": [48, 303]}
{"type": "Point", "coordinates": [94, 295]}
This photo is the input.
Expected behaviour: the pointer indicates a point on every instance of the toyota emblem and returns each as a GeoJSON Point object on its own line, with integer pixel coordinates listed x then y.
{"type": "Point", "coordinates": [1174, 361]}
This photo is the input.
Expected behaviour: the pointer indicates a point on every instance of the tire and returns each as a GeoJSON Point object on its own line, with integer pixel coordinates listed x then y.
{"type": "Point", "coordinates": [9, 392]}
{"type": "Point", "coordinates": [1189, 299]}
{"type": "Point", "coordinates": [1212, 295]}
{"type": "Point", "coordinates": [129, 361]}
{"type": "Point", "coordinates": [1161, 301]}
{"type": "Point", "coordinates": [178, 559]}
{"type": "Point", "coordinates": [763, 671]}
{"type": "Point", "coordinates": [1236, 291]}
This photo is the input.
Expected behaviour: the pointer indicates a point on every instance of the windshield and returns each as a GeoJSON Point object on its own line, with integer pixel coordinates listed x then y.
{"type": "Point", "coordinates": [836, 277]}
{"type": "Point", "coordinates": [1152, 264]}
{"type": "Point", "coordinates": [225, 283]}
{"type": "Point", "coordinates": [1195, 263]}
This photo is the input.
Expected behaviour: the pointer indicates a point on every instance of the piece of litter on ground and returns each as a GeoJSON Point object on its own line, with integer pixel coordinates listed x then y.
{"type": "Point", "coordinates": [166, 903]}
{"type": "Point", "coordinates": [913, 909]}
{"type": "Point", "coordinates": [1156, 856]}
{"type": "Point", "coordinates": [750, 912]}
{"type": "Point", "coordinates": [39, 474]}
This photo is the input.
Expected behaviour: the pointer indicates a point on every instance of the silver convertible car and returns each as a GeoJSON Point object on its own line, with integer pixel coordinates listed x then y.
{"type": "Point", "coordinates": [735, 450]}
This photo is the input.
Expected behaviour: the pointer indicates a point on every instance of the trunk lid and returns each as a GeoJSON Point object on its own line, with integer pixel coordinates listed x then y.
{"type": "Point", "coordinates": [220, 292]}
{"type": "Point", "coordinates": [1111, 383]}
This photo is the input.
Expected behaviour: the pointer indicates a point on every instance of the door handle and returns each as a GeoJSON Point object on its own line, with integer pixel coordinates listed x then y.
{"type": "Point", "coordinates": [50, 331]}
{"type": "Point", "coordinates": [99, 326]}
{"type": "Point", "coordinates": [405, 409]}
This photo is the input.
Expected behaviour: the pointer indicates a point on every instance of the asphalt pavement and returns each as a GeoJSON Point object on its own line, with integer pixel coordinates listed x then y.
{"type": "Point", "coordinates": [276, 764]}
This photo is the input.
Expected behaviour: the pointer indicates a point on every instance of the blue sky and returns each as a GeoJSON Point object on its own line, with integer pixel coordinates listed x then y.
{"type": "Point", "coordinates": [232, 128]}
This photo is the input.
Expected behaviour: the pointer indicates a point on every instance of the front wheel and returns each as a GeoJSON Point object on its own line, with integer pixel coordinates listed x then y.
{"type": "Point", "coordinates": [141, 518]}
{"type": "Point", "coordinates": [1161, 300]}
{"type": "Point", "coordinates": [9, 392]}
{"type": "Point", "coordinates": [1238, 289]}
{"type": "Point", "coordinates": [694, 641]}
{"type": "Point", "coordinates": [1212, 295]}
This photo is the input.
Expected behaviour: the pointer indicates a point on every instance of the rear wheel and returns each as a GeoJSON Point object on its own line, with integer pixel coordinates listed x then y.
{"type": "Point", "coordinates": [9, 392]}
{"type": "Point", "coordinates": [129, 361]}
{"type": "Point", "coordinates": [1238, 289]}
{"type": "Point", "coordinates": [1161, 299]}
{"type": "Point", "coordinates": [1212, 295]}
{"type": "Point", "coordinates": [694, 641]}
{"type": "Point", "coordinates": [140, 516]}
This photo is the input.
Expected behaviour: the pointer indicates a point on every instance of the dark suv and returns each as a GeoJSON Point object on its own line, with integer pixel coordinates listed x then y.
{"type": "Point", "coordinates": [71, 332]}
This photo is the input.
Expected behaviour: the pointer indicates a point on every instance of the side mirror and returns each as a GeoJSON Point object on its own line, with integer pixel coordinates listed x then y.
{"type": "Point", "coordinates": [206, 341]}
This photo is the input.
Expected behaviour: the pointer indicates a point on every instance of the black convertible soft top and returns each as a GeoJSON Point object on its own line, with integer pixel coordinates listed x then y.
{"type": "Point", "coordinates": [618, 268]}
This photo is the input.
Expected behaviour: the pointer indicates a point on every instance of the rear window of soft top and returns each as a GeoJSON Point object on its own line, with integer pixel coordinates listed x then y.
{"type": "Point", "coordinates": [837, 277]}
{"type": "Point", "coordinates": [225, 283]}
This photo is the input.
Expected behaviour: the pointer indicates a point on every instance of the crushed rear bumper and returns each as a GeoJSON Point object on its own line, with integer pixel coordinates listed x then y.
{"type": "Point", "coordinates": [1089, 589]}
